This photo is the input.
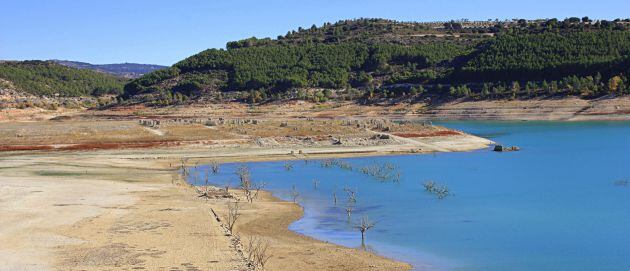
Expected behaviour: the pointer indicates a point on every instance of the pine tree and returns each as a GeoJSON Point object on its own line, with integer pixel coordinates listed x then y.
{"type": "Point", "coordinates": [553, 88]}
{"type": "Point", "coordinates": [515, 89]}
{"type": "Point", "coordinates": [545, 86]}
{"type": "Point", "coordinates": [485, 91]}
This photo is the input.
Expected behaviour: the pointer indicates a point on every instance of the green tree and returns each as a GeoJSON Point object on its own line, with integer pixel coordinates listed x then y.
{"type": "Point", "coordinates": [614, 83]}
{"type": "Point", "coordinates": [485, 90]}
{"type": "Point", "coordinates": [515, 88]}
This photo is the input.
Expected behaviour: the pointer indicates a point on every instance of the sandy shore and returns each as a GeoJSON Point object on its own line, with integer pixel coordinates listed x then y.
{"type": "Point", "coordinates": [129, 210]}
{"type": "Point", "coordinates": [88, 211]}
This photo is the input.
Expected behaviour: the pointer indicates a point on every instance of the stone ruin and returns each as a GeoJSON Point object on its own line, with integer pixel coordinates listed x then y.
{"type": "Point", "coordinates": [206, 122]}
{"type": "Point", "coordinates": [379, 124]}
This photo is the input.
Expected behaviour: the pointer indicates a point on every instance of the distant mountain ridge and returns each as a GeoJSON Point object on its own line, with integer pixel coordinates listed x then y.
{"type": "Point", "coordinates": [47, 78]}
{"type": "Point", "coordinates": [126, 70]}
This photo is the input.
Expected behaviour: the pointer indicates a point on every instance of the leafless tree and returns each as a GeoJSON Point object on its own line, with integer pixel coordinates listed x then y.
{"type": "Point", "coordinates": [207, 177]}
{"type": "Point", "coordinates": [352, 195]}
{"type": "Point", "coordinates": [263, 254]}
{"type": "Point", "coordinates": [397, 177]}
{"type": "Point", "coordinates": [258, 251]}
{"type": "Point", "coordinates": [243, 173]}
{"type": "Point", "coordinates": [227, 187]}
{"type": "Point", "coordinates": [364, 226]}
{"type": "Point", "coordinates": [247, 185]}
{"type": "Point", "coordinates": [349, 210]}
{"type": "Point", "coordinates": [214, 165]}
{"type": "Point", "coordinates": [233, 214]}
{"type": "Point", "coordinates": [204, 192]}
{"type": "Point", "coordinates": [294, 194]}
{"type": "Point", "coordinates": [184, 167]}
{"type": "Point", "coordinates": [257, 187]}
{"type": "Point", "coordinates": [315, 183]}
{"type": "Point", "coordinates": [288, 165]}
{"type": "Point", "coordinates": [429, 186]}
{"type": "Point", "coordinates": [441, 191]}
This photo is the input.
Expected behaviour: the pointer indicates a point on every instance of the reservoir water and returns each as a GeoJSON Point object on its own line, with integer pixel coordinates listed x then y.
{"type": "Point", "coordinates": [561, 203]}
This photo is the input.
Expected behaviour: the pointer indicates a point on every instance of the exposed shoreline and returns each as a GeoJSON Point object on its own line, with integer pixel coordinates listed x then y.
{"type": "Point", "coordinates": [115, 193]}
{"type": "Point", "coordinates": [553, 109]}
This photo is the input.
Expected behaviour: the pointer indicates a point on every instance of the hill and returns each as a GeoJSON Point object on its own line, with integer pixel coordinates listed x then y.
{"type": "Point", "coordinates": [126, 70]}
{"type": "Point", "coordinates": [46, 78]}
{"type": "Point", "coordinates": [375, 59]}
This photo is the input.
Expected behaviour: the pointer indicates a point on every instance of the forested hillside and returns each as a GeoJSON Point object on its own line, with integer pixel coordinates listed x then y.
{"type": "Point", "coordinates": [551, 55]}
{"type": "Point", "coordinates": [51, 79]}
{"type": "Point", "coordinates": [371, 59]}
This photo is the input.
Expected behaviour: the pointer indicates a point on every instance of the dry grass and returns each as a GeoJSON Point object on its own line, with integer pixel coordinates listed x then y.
{"type": "Point", "coordinates": [100, 134]}
{"type": "Point", "coordinates": [295, 128]}
{"type": "Point", "coordinates": [195, 132]}
{"type": "Point", "coordinates": [73, 132]}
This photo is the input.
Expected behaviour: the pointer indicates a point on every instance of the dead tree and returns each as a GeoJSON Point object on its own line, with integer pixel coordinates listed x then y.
{"type": "Point", "coordinates": [227, 187]}
{"type": "Point", "coordinates": [250, 188]}
{"type": "Point", "coordinates": [349, 210]}
{"type": "Point", "coordinates": [364, 226]}
{"type": "Point", "coordinates": [294, 194]}
{"type": "Point", "coordinates": [214, 165]}
{"type": "Point", "coordinates": [258, 251]}
{"type": "Point", "coordinates": [257, 187]}
{"type": "Point", "coordinates": [233, 214]}
{"type": "Point", "coordinates": [245, 181]}
{"type": "Point", "coordinates": [397, 177]}
{"type": "Point", "coordinates": [183, 167]}
{"type": "Point", "coordinates": [352, 195]}
{"type": "Point", "coordinates": [203, 193]}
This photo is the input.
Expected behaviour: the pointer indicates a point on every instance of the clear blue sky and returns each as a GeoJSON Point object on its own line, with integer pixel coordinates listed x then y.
{"type": "Point", "coordinates": [163, 32]}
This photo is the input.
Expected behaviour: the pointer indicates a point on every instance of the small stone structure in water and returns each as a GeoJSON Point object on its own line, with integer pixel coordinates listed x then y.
{"type": "Point", "coordinates": [500, 148]}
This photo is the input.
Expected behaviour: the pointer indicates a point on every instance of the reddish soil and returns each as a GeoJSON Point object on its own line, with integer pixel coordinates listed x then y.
{"type": "Point", "coordinates": [88, 146]}
{"type": "Point", "coordinates": [26, 147]}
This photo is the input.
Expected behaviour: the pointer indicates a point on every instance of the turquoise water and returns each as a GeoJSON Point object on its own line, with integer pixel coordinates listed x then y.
{"type": "Point", "coordinates": [555, 205]}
